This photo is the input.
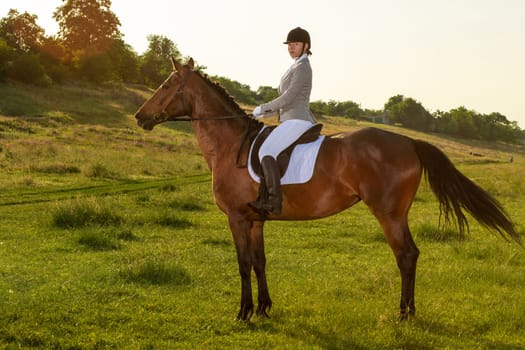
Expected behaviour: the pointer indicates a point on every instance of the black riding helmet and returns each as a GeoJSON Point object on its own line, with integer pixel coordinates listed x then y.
{"type": "Point", "coordinates": [301, 36]}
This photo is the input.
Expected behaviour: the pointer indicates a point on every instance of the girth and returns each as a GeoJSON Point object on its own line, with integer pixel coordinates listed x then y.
{"type": "Point", "coordinates": [283, 159]}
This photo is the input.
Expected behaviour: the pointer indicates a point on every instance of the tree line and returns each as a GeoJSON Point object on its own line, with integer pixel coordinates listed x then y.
{"type": "Point", "coordinates": [459, 121]}
{"type": "Point", "coordinates": [90, 47]}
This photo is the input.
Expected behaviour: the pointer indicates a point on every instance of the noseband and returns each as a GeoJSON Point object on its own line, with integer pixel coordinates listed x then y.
{"type": "Point", "coordinates": [162, 116]}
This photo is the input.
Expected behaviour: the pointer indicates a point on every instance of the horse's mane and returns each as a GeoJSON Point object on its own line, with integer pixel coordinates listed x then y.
{"type": "Point", "coordinates": [222, 92]}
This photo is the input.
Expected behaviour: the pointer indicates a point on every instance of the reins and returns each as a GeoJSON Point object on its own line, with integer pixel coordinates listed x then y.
{"type": "Point", "coordinates": [248, 134]}
{"type": "Point", "coordinates": [191, 119]}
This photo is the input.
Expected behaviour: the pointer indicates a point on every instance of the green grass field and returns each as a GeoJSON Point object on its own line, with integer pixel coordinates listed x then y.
{"type": "Point", "coordinates": [110, 239]}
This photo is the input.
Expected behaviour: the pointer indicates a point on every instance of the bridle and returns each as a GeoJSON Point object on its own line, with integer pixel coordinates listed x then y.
{"type": "Point", "coordinates": [249, 130]}
{"type": "Point", "coordinates": [162, 116]}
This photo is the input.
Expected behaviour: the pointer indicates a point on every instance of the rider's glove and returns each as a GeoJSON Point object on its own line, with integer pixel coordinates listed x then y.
{"type": "Point", "coordinates": [257, 112]}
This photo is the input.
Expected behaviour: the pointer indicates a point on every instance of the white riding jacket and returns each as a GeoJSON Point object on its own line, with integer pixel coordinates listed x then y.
{"type": "Point", "coordinates": [294, 93]}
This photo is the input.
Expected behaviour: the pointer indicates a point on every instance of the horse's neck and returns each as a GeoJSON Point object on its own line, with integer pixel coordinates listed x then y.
{"type": "Point", "coordinates": [218, 139]}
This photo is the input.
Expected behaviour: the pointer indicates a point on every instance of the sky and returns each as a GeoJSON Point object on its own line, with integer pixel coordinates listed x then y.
{"type": "Point", "coordinates": [442, 53]}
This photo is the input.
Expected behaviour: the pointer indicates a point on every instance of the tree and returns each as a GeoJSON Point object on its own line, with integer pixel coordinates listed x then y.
{"type": "Point", "coordinates": [347, 109]}
{"type": "Point", "coordinates": [156, 63]}
{"type": "Point", "coordinates": [6, 52]}
{"type": "Point", "coordinates": [465, 119]}
{"type": "Point", "coordinates": [96, 68]}
{"type": "Point", "coordinates": [350, 109]}
{"type": "Point", "coordinates": [241, 92]}
{"type": "Point", "coordinates": [394, 100]}
{"type": "Point", "coordinates": [53, 56]}
{"type": "Point", "coordinates": [87, 26]}
{"type": "Point", "coordinates": [88, 30]}
{"type": "Point", "coordinates": [26, 68]}
{"type": "Point", "coordinates": [445, 123]}
{"type": "Point", "coordinates": [266, 93]}
{"type": "Point", "coordinates": [495, 126]}
{"type": "Point", "coordinates": [21, 32]}
{"type": "Point", "coordinates": [20, 41]}
{"type": "Point", "coordinates": [408, 112]}
{"type": "Point", "coordinates": [125, 62]}
{"type": "Point", "coordinates": [163, 47]}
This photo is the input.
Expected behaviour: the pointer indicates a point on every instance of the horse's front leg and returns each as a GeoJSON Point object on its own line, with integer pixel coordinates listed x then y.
{"type": "Point", "coordinates": [259, 265]}
{"type": "Point", "coordinates": [241, 228]}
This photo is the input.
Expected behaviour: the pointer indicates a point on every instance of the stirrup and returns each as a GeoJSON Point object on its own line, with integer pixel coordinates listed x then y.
{"type": "Point", "coordinates": [273, 205]}
{"type": "Point", "coordinates": [264, 207]}
{"type": "Point", "coordinates": [257, 205]}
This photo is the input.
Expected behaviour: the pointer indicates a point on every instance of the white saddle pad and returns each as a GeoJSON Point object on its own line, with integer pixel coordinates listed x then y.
{"type": "Point", "coordinates": [302, 162]}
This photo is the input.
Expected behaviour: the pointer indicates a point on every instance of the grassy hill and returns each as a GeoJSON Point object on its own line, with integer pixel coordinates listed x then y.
{"type": "Point", "coordinates": [110, 239]}
{"type": "Point", "coordinates": [87, 133]}
{"type": "Point", "coordinates": [90, 135]}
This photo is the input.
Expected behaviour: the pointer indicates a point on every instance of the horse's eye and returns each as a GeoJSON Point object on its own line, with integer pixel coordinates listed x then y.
{"type": "Point", "coordinates": [165, 86]}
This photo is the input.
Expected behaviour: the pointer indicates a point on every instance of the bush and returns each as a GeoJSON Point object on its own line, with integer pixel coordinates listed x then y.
{"type": "Point", "coordinates": [27, 69]}
{"type": "Point", "coordinates": [96, 69]}
{"type": "Point", "coordinates": [99, 171]}
{"type": "Point", "coordinates": [59, 73]}
{"type": "Point", "coordinates": [81, 213]}
{"type": "Point", "coordinates": [5, 54]}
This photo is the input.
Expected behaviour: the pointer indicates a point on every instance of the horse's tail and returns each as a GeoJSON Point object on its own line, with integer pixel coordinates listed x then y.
{"type": "Point", "coordinates": [455, 191]}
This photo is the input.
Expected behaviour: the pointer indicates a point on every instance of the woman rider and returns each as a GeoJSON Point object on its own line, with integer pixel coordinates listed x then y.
{"type": "Point", "coordinates": [295, 116]}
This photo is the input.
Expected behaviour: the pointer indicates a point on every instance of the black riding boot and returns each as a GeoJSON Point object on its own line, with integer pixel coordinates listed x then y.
{"type": "Point", "coordinates": [272, 180]}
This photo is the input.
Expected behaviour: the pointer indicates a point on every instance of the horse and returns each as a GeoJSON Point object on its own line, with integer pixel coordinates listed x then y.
{"type": "Point", "coordinates": [383, 169]}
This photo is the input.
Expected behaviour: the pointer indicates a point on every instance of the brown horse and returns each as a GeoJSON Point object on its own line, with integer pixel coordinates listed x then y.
{"type": "Point", "coordinates": [381, 168]}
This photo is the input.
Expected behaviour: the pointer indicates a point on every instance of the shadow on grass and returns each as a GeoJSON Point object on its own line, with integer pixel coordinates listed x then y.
{"type": "Point", "coordinates": [104, 239]}
{"type": "Point", "coordinates": [156, 272]}
{"type": "Point", "coordinates": [98, 241]}
{"type": "Point", "coordinates": [216, 242]}
{"type": "Point", "coordinates": [186, 206]}
{"type": "Point", "coordinates": [324, 338]}
{"type": "Point", "coordinates": [173, 222]}
{"type": "Point", "coordinates": [444, 331]}
{"type": "Point", "coordinates": [430, 233]}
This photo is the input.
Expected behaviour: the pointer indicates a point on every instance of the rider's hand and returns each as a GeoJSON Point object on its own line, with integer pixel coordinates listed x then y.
{"type": "Point", "coordinates": [257, 112]}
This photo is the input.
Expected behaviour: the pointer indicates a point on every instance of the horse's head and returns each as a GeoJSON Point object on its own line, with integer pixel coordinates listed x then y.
{"type": "Point", "coordinates": [169, 100]}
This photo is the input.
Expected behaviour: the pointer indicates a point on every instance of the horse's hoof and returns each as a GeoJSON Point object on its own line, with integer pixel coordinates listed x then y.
{"type": "Point", "coordinates": [262, 310]}
{"type": "Point", "coordinates": [245, 314]}
{"type": "Point", "coordinates": [405, 316]}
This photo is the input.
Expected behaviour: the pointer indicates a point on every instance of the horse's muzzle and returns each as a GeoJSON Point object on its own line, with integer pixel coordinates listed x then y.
{"type": "Point", "coordinates": [143, 122]}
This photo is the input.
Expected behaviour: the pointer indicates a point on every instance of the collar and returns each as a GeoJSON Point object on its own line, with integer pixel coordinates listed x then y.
{"type": "Point", "coordinates": [301, 58]}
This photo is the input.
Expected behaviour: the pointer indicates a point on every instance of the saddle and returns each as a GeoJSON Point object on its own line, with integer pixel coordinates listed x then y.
{"type": "Point", "coordinates": [283, 159]}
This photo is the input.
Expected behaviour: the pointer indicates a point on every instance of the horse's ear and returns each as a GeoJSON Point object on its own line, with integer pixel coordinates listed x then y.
{"type": "Point", "coordinates": [176, 65]}
{"type": "Point", "coordinates": [191, 64]}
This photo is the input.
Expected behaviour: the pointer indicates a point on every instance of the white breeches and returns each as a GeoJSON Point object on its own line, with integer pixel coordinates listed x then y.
{"type": "Point", "coordinates": [283, 136]}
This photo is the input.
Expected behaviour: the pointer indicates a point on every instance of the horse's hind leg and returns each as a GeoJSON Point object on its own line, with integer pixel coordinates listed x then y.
{"type": "Point", "coordinates": [406, 252]}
